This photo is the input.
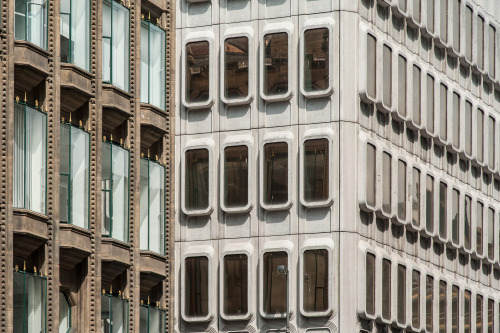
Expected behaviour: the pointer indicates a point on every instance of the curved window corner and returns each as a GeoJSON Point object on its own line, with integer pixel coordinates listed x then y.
{"type": "Point", "coordinates": [236, 88]}
{"type": "Point", "coordinates": [64, 314]}
{"type": "Point", "coordinates": [196, 182]}
{"type": "Point", "coordinates": [197, 92]}
{"type": "Point", "coordinates": [114, 191]}
{"type": "Point", "coordinates": [235, 284]}
{"type": "Point", "coordinates": [75, 33]}
{"type": "Point", "coordinates": [29, 302]}
{"type": "Point", "coordinates": [274, 284]}
{"type": "Point", "coordinates": [74, 175]}
{"type": "Point", "coordinates": [152, 200]}
{"type": "Point", "coordinates": [115, 44]}
{"type": "Point", "coordinates": [30, 21]}
{"type": "Point", "coordinates": [153, 75]}
{"type": "Point", "coordinates": [236, 171]}
{"type": "Point", "coordinates": [152, 319]}
{"type": "Point", "coordinates": [275, 61]}
{"type": "Point", "coordinates": [368, 80]}
{"type": "Point", "coordinates": [196, 300]}
{"type": "Point", "coordinates": [315, 172]}
{"type": "Point", "coordinates": [276, 176]}
{"type": "Point", "coordinates": [114, 313]}
{"type": "Point", "coordinates": [316, 62]}
{"type": "Point", "coordinates": [315, 286]}
{"type": "Point", "coordinates": [30, 158]}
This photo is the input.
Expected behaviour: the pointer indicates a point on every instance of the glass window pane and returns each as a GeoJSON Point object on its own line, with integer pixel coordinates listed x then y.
{"type": "Point", "coordinates": [492, 50]}
{"type": "Point", "coordinates": [196, 283]}
{"type": "Point", "coordinates": [65, 38]}
{"type": "Point", "coordinates": [386, 289]}
{"type": "Point", "coordinates": [64, 314]}
{"type": "Point", "coordinates": [106, 189]}
{"type": "Point", "coordinates": [274, 284]}
{"type": "Point", "coordinates": [455, 216]}
{"type": "Point", "coordinates": [157, 73]}
{"type": "Point", "coordinates": [105, 314]}
{"type": "Point", "coordinates": [429, 303]}
{"type": "Point", "coordinates": [416, 198]}
{"type": "Point", "coordinates": [430, 103]}
{"type": "Point", "coordinates": [370, 283]}
{"type": "Point", "coordinates": [443, 112]}
{"type": "Point", "coordinates": [455, 316]}
{"type": "Point", "coordinates": [479, 228]}
{"type": "Point", "coordinates": [442, 307]}
{"type": "Point", "coordinates": [467, 222]}
{"type": "Point", "coordinates": [316, 170]}
{"type": "Point", "coordinates": [371, 72]}
{"type": "Point", "coordinates": [468, 128]}
{"type": "Point", "coordinates": [64, 171]}
{"type": "Point", "coordinates": [415, 299]}
{"type": "Point", "coordinates": [145, 54]}
{"type": "Point", "coordinates": [276, 173]}
{"type": "Point", "coordinates": [144, 318]}
{"type": "Point", "coordinates": [417, 8]}
{"type": "Point", "coordinates": [386, 183]}
{"type": "Point", "coordinates": [276, 63]}
{"type": "Point", "coordinates": [479, 314]}
{"type": "Point", "coordinates": [156, 320]}
{"type": "Point", "coordinates": [236, 67]}
{"type": "Point", "coordinates": [401, 190]}
{"type": "Point", "coordinates": [81, 33]}
{"type": "Point", "coordinates": [156, 207]}
{"type": "Point", "coordinates": [387, 96]}
{"type": "Point", "coordinates": [443, 202]}
{"type": "Point", "coordinates": [120, 45]}
{"type": "Point", "coordinates": [120, 189]}
{"type": "Point", "coordinates": [236, 176]}
{"type": "Point", "coordinates": [444, 20]}
{"type": "Point", "coordinates": [371, 175]}
{"type": "Point", "coordinates": [36, 154]}
{"type": "Point", "coordinates": [35, 303]}
{"type": "Point", "coordinates": [197, 72]}
{"type": "Point", "coordinates": [18, 301]}
{"type": "Point", "coordinates": [480, 135]}
{"type": "Point", "coordinates": [401, 306]}
{"type": "Point", "coordinates": [19, 155]}
{"type": "Point", "coordinates": [417, 109]}
{"type": "Point", "coordinates": [491, 309]}
{"type": "Point", "coordinates": [456, 24]}
{"type": "Point", "coordinates": [402, 5]}
{"type": "Point", "coordinates": [491, 234]}
{"type": "Point", "coordinates": [196, 181]}
{"type": "Point", "coordinates": [429, 204]}
{"type": "Point", "coordinates": [456, 120]}
{"type": "Point", "coordinates": [316, 59]}
{"type": "Point", "coordinates": [235, 284]}
{"type": "Point", "coordinates": [315, 280]}
{"type": "Point", "coordinates": [430, 16]}
{"type": "Point", "coordinates": [402, 85]}
{"type": "Point", "coordinates": [36, 23]}
{"type": "Point", "coordinates": [491, 143]}
{"type": "Point", "coordinates": [144, 199]}
{"type": "Point", "coordinates": [20, 19]}
{"type": "Point", "coordinates": [480, 42]}
{"type": "Point", "coordinates": [468, 33]}
{"type": "Point", "coordinates": [467, 311]}
{"type": "Point", "coordinates": [80, 184]}
{"type": "Point", "coordinates": [118, 316]}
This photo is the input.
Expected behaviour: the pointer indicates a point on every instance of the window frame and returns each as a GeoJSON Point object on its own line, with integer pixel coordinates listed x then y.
{"type": "Point", "coordinates": [364, 90]}
{"type": "Point", "coordinates": [458, 243]}
{"type": "Point", "coordinates": [317, 244]}
{"type": "Point", "coordinates": [458, 148]}
{"type": "Point", "coordinates": [277, 137]}
{"type": "Point", "coordinates": [364, 249]}
{"type": "Point", "coordinates": [231, 249]}
{"type": "Point", "coordinates": [447, 224]}
{"type": "Point", "coordinates": [479, 55]}
{"type": "Point", "coordinates": [275, 28]}
{"type": "Point", "coordinates": [380, 257]}
{"type": "Point", "coordinates": [148, 307]}
{"type": "Point", "coordinates": [26, 25]}
{"type": "Point", "coordinates": [277, 246]}
{"type": "Point", "coordinates": [365, 141]}
{"type": "Point", "coordinates": [313, 134]}
{"type": "Point", "coordinates": [200, 143]}
{"type": "Point", "coordinates": [323, 23]}
{"type": "Point", "coordinates": [496, 134]}
{"type": "Point", "coordinates": [126, 316]}
{"type": "Point", "coordinates": [232, 141]}
{"type": "Point", "coordinates": [193, 37]}
{"type": "Point", "coordinates": [199, 251]}
{"type": "Point", "coordinates": [397, 262]}
{"type": "Point", "coordinates": [442, 39]}
{"type": "Point", "coordinates": [35, 276]}
{"type": "Point", "coordinates": [71, 51]}
{"type": "Point", "coordinates": [476, 293]}
{"type": "Point", "coordinates": [425, 274]}
{"type": "Point", "coordinates": [234, 33]}
{"type": "Point", "coordinates": [70, 306]}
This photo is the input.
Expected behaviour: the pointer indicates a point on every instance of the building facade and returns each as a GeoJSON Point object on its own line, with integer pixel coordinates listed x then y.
{"type": "Point", "coordinates": [347, 147]}
{"type": "Point", "coordinates": [85, 134]}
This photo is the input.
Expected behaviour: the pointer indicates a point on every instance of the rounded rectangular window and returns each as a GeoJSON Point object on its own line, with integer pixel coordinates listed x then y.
{"type": "Point", "coordinates": [275, 64]}
{"type": "Point", "coordinates": [430, 16]}
{"type": "Point", "coordinates": [480, 43]}
{"type": "Point", "coordinates": [480, 136]}
{"type": "Point", "coordinates": [443, 112]}
{"type": "Point", "coordinates": [456, 24]}
{"type": "Point", "coordinates": [444, 20]}
{"type": "Point", "coordinates": [455, 216]}
{"type": "Point", "coordinates": [276, 173]}
{"type": "Point", "coordinates": [236, 68]}
{"type": "Point", "coordinates": [315, 280]}
{"type": "Point", "coordinates": [443, 203]}
{"type": "Point", "coordinates": [467, 312]}
{"type": "Point", "coordinates": [417, 108]}
{"type": "Point", "coordinates": [197, 72]}
{"type": "Point", "coordinates": [429, 204]}
{"type": "Point", "coordinates": [479, 314]}
{"type": "Point", "coordinates": [386, 183]}
{"type": "Point", "coordinates": [443, 307]}
{"type": "Point", "coordinates": [430, 103]}
{"type": "Point", "coordinates": [479, 228]}
{"type": "Point", "coordinates": [491, 50]}
{"type": "Point", "coordinates": [197, 181]}
{"type": "Point", "coordinates": [235, 284]}
{"type": "Point", "coordinates": [370, 284]}
{"type": "Point", "coordinates": [274, 284]}
{"type": "Point", "coordinates": [491, 234]}
{"type": "Point", "coordinates": [415, 299]}
{"type": "Point", "coordinates": [236, 176]}
{"type": "Point", "coordinates": [402, 85]}
{"type": "Point", "coordinates": [316, 170]}
{"type": "Point", "coordinates": [468, 33]}
{"type": "Point", "coordinates": [371, 66]}
{"type": "Point", "coordinates": [387, 95]}
{"type": "Point", "coordinates": [401, 289]}
{"type": "Point", "coordinates": [417, 9]}
{"type": "Point", "coordinates": [491, 309]}
{"type": "Point", "coordinates": [467, 222]}
{"type": "Point", "coordinates": [196, 287]}
{"type": "Point", "coordinates": [455, 315]}
{"type": "Point", "coordinates": [316, 59]}
{"type": "Point", "coordinates": [386, 289]}
{"type": "Point", "coordinates": [491, 143]}
{"type": "Point", "coordinates": [456, 121]}
{"type": "Point", "coordinates": [429, 303]}
{"type": "Point", "coordinates": [415, 202]}
{"type": "Point", "coordinates": [468, 128]}
{"type": "Point", "coordinates": [401, 190]}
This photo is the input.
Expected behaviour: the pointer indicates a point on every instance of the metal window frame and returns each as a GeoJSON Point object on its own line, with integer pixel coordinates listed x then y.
{"type": "Point", "coordinates": [70, 14]}
{"type": "Point", "coordinates": [28, 3]}
{"type": "Point", "coordinates": [122, 298]}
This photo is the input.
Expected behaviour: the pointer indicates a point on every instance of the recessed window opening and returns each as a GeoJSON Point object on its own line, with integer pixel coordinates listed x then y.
{"type": "Point", "coordinates": [274, 284]}
{"type": "Point", "coordinates": [316, 170]}
{"type": "Point", "coordinates": [196, 179]}
{"type": "Point", "coordinates": [315, 280]}
{"type": "Point", "coordinates": [197, 72]}
{"type": "Point", "coordinates": [401, 190]}
{"type": "Point", "coordinates": [196, 287]}
{"type": "Point", "coordinates": [235, 284]}
{"type": "Point", "coordinates": [236, 62]}
{"type": "Point", "coordinates": [236, 176]}
{"type": "Point", "coordinates": [276, 173]}
{"type": "Point", "coordinates": [276, 63]}
{"type": "Point", "coordinates": [316, 59]}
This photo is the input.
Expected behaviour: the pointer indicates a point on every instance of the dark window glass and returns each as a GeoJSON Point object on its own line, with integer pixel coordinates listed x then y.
{"type": "Point", "coordinates": [274, 284]}
{"type": "Point", "coordinates": [316, 59]}
{"type": "Point", "coordinates": [196, 284]}
{"type": "Point", "coordinates": [415, 299]}
{"type": "Point", "coordinates": [402, 90]}
{"type": "Point", "coordinates": [456, 24]}
{"type": "Point", "coordinates": [467, 222]}
{"type": "Point", "coordinates": [387, 183]}
{"type": "Point", "coordinates": [371, 66]}
{"type": "Point", "coordinates": [235, 284]}
{"type": "Point", "coordinates": [196, 196]}
{"type": "Point", "coordinates": [371, 175]}
{"type": "Point", "coordinates": [401, 306]}
{"type": "Point", "coordinates": [443, 112]}
{"type": "Point", "coordinates": [480, 42]}
{"type": "Point", "coordinates": [491, 309]}
{"type": "Point", "coordinates": [455, 317]}
{"type": "Point", "coordinates": [443, 202]}
{"type": "Point", "coordinates": [456, 120]}
{"type": "Point", "coordinates": [429, 204]}
{"type": "Point", "coordinates": [429, 303]}
{"type": "Point", "coordinates": [430, 103]}
{"type": "Point", "coordinates": [386, 289]}
{"type": "Point", "coordinates": [479, 314]}
{"type": "Point", "coordinates": [197, 72]}
{"type": "Point", "coordinates": [370, 284]}
{"type": "Point", "coordinates": [430, 16]}
{"type": "Point", "coordinates": [442, 307]}
{"type": "Point", "coordinates": [480, 135]}
{"type": "Point", "coordinates": [479, 228]}
{"type": "Point", "coordinates": [455, 216]}
{"type": "Point", "coordinates": [387, 77]}
{"type": "Point", "coordinates": [415, 204]}
{"type": "Point", "coordinates": [236, 67]}
{"type": "Point", "coordinates": [467, 311]}
{"type": "Point", "coordinates": [315, 293]}
{"type": "Point", "coordinates": [417, 108]}
{"type": "Point", "coordinates": [316, 170]}
{"type": "Point", "coordinates": [401, 190]}
{"type": "Point", "coordinates": [444, 20]}
{"type": "Point", "coordinates": [492, 50]}
{"type": "Point", "coordinates": [491, 142]}
{"type": "Point", "coordinates": [276, 63]}
{"type": "Point", "coordinates": [468, 128]}
{"type": "Point", "coordinates": [491, 235]}
{"type": "Point", "coordinates": [417, 10]}
{"type": "Point", "coordinates": [276, 173]}
{"type": "Point", "coordinates": [236, 176]}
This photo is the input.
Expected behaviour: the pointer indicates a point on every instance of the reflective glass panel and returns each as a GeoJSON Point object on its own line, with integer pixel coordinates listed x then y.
{"type": "Point", "coordinates": [196, 287]}
{"type": "Point", "coordinates": [315, 283]}
{"type": "Point", "coordinates": [235, 284]}
{"type": "Point", "coordinates": [316, 59]}
{"type": "Point", "coordinates": [274, 284]}
{"type": "Point", "coordinates": [276, 173]}
{"type": "Point", "coordinates": [316, 170]}
{"type": "Point", "coordinates": [196, 181]}
{"type": "Point", "coordinates": [275, 63]}
{"type": "Point", "coordinates": [236, 176]}
{"type": "Point", "coordinates": [236, 67]}
{"type": "Point", "coordinates": [197, 72]}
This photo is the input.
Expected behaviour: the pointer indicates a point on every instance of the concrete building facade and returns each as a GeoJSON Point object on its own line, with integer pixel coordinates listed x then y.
{"type": "Point", "coordinates": [85, 134]}
{"type": "Point", "coordinates": [350, 146]}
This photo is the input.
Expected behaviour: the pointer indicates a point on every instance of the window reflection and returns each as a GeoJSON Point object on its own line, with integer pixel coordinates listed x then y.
{"type": "Point", "coordinates": [196, 196]}
{"type": "Point", "coordinates": [401, 306]}
{"type": "Point", "coordinates": [491, 235]}
{"type": "Point", "coordinates": [467, 222]}
{"type": "Point", "coordinates": [442, 307]}
{"type": "Point", "coordinates": [316, 169]}
{"type": "Point", "coordinates": [371, 173]}
{"type": "Point", "coordinates": [316, 59]}
{"type": "Point", "coordinates": [455, 216]}
{"type": "Point", "coordinates": [454, 309]}
{"type": "Point", "coordinates": [467, 311]}
{"type": "Point", "coordinates": [315, 282]}
{"type": "Point", "coordinates": [386, 183]}
{"type": "Point", "coordinates": [386, 289]}
{"type": "Point", "coordinates": [479, 314]}
{"type": "Point", "coordinates": [491, 308]}
{"type": "Point", "coordinates": [196, 284]}
{"type": "Point", "coordinates": [236, 67]}
{"type": "Point", "coordinates": [235, 284]}
{"type": "Point", "coordinates": [276, 63]}
{"type": "Point", "coordinates": [274, 284]}
{"type": "Point", "coordinates": [479, 228]}
{"type": "Point", "coordinates": [236, 176]}
{"type": "Point", "coordinates": [443, 201]}
{"type": "Point", "coordinates": [276, 173]}
{"type": "Point", "coordinates": [416, 198]}
{"type": "Point", "coordinates": [401, 190]}
{"type": "Point", "coordinates": [429, 204]}
{"type": "Point", "coordinates": [415, 298]}
{"type": "Point", "coordinates": [370, 284]}
{"type": "Point", "coordinates": [197, 72]}
{"type": "Point", "coordinates": [429, 303]}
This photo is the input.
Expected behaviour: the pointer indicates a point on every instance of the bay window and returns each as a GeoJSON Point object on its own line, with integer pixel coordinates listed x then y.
{"type": "Point", "coordinates": [30, 21]}
{"type": "Point", "coordinates": [315, 280]}
{"type": "Point", "coordinates": [152, 319]}
{"type": "Point", "coordinates": [115, 44]}
{"type": "Point", "coordinates": [74, 171]}
{"type": "Point", "coordinates": [196, 287]}
{"type": "Point", "coordinates": [115, 188]}
{"type": "Point", "coordinates": [274, 284]}
{"type": "Point", "coordinates": [236, 181]}
{"type": "Point", "coordinates": [30, 302]}
{"type": "Point", "coordinates": [64, 314]}
{"type": "Point", "coordinates": [152, 193]}
{"type": "Point", "coordinates": [75, 32]}
{"type": "Point", "coordinates": [235, 272]}
{"type": "Point", "coordinates": [114, 314]}
{"type": "Point", "coordinates": [30, 156]}
{"type": "Point", "coordinates": [153, 76]}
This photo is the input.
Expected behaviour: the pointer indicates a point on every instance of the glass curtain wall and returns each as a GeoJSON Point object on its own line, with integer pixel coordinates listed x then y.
{"type": "Point", "coordinates": [114, 314]}
{"type": "Point", "coordinates": [152, 206]}
{"type": "Point", "coordinates": [74, 189]}
{"type": "Point", "coordinates": [115, 188]}
{"type": "Point", "coordinates": [75, 32]}
{"type": "Point", "coordinates": [115, 44]}
{"type": "Point", "coordinates": [152, 319]}
{"type": "Point", "coordinates": [30, 21]}
{"type": "Point", "coordinates": [30, 155]}
{"type": "Point", "coordinates": [30, 302]}
{"type": "Point", "coordinates": [152, 64]}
